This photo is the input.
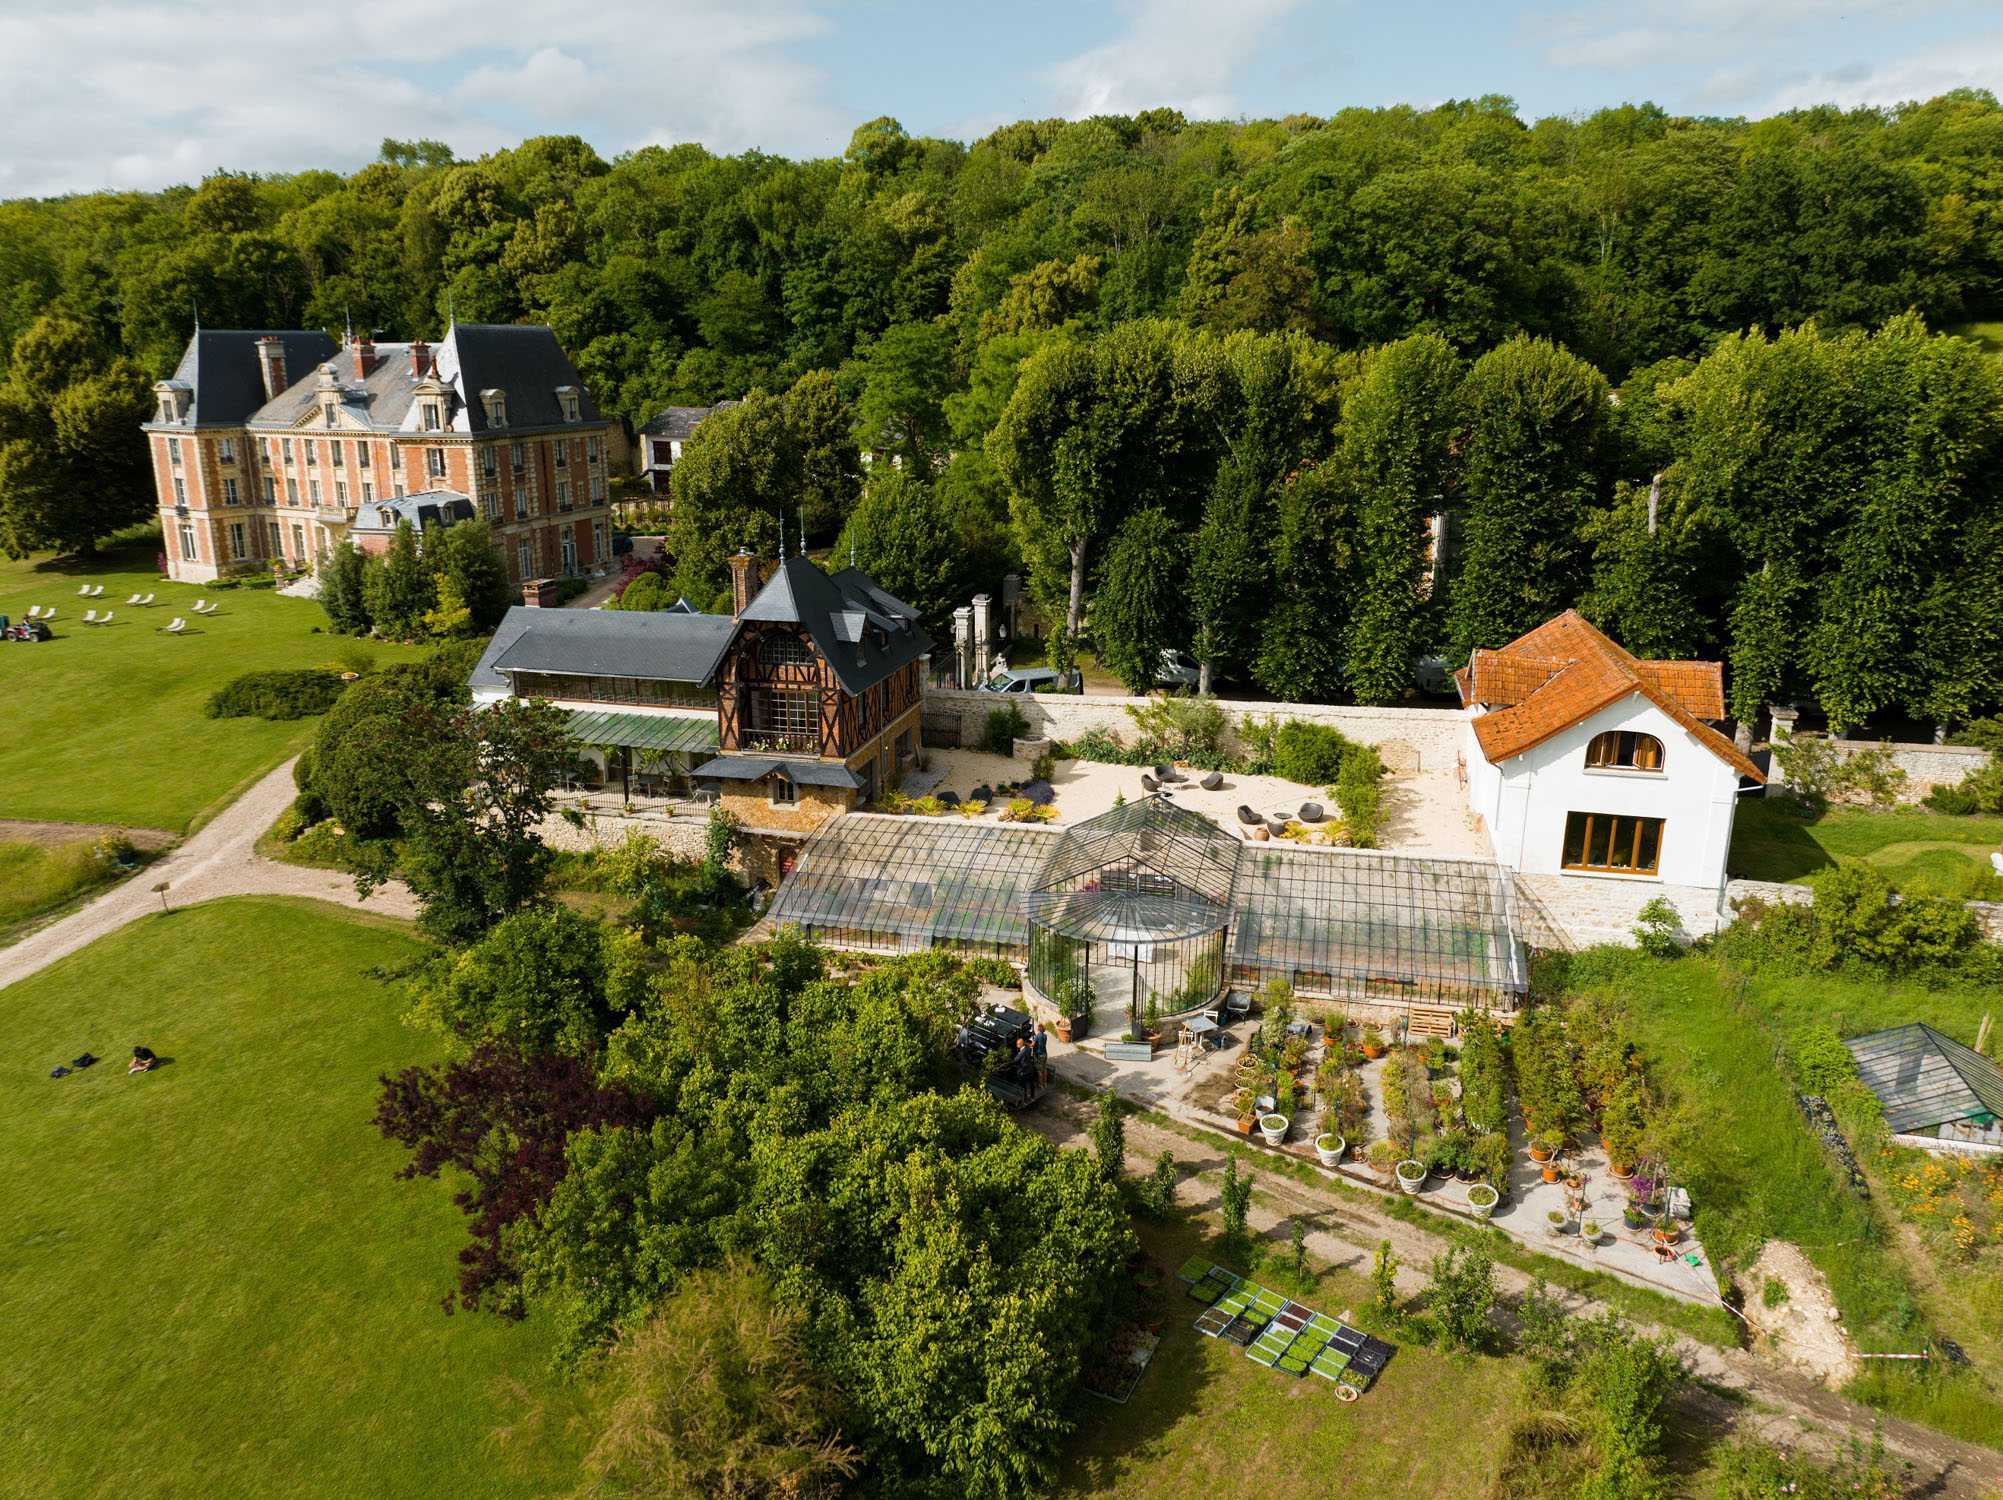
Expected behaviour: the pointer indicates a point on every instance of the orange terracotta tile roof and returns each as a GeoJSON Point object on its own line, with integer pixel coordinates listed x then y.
{"type": "Point", "coordinates": [1565, 671]}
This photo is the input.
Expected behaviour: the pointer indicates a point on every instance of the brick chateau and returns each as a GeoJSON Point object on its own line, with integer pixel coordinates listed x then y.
{"type": "Point", "coordinates": [276, 446]}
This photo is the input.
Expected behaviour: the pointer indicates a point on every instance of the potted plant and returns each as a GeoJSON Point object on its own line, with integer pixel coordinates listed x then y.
{"type": "Point", "coordinates": [1329, 1148]}
{"type": "Point", "coordinates": [1273, 1128]}
{"type": "Point", "coordinates": [1621, 1126]}
{"type": "Point", "coordinates": [1411, 1174]}
{"type": "Point", "coordinates": [1557, 1222]}
{"type": "Point", "coordinates": [1492, 1159]}
{"type": "Point", "coordinates": [1381, 1155]}
{"type": "Point", "coordinates": [1543, 1147]}
{"type": "Point", "coordinates": [1633, 1217]}
{"type": "Point", "coordinates": [1481, 1200]}
{"type": "Point", "coordinates": [1241, 1104]}
{"type": "Point", "coordinates": [1549, 1171]}
{"type": "Point", "coordinates": [1372, 1042]}
{"type": "Point", "coordinates": [1668, 1232]}
{"type": "Point", "coordinates": [1591, 1230]}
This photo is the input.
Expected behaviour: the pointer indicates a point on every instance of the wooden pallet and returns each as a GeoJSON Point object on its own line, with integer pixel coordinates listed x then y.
{"type": "Point", "coordinates": [1429, 1020]}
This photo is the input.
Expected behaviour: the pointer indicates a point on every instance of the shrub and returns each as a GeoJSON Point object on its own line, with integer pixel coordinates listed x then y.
{"type": "Point", "coordinates": [1156, 1193]}
{"type": "Point", "coordinates": [1658, 930]}
{"type": "Point", "coordinates": [1987, 734]}
{"type": "Point", "coordinates": [1821, 1061]}
{"type": "Point", "coordinates": [1180, 728]}
{"type": "Point", "coordinates": [1004, 726]}
{"type": "Point", "coordinates": [1308, 753]}
{"type": "Point", "coordinates": [1257, 736]}
{"type": "Point", "coordinates": [276, 695]}
{"type": "Point", "coordinates": [1360, 794]}
{"type": "Point", "coordinates": [1236, 1201]}
{"type": "Point", "coordinates": [995, 971]}
{"type": "Point", "coordinates": [1109, 1138]}
{"type": "Point", "coordinates": [1859, 918]}
{"type": "Point", "coordinates": [1818, 773]}
{"type": "Point", "coordinates": [1980, 791]}
{"type": "Point", "coordinates": [1461, 1296]}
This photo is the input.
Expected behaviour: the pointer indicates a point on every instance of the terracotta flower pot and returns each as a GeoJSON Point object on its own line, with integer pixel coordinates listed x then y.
{"type": "Point", "coordinates": [1540, 1154]}
{"type": "Point", "coordinates": [1373, 1053]}
{"type": "Point", "coordinates": [1550, 1173]}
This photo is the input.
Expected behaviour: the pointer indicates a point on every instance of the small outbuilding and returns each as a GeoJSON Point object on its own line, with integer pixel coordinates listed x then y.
{"type": "Point", "coordinates": [1937, 1093]}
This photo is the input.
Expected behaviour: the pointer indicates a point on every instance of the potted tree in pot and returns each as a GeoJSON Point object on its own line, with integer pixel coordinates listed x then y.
{"type": "Point", "coordinates": [1382, 1155]}
{"type": "Point", "coordinates": [1372, 1042]}
{"type": "Point", "coordinates": [1492, 1160]}
{"type": "Point", "coordinates": [1411, 1174]}
{"type": "Point", "coordinates": [1481, 1200]}
{"type": "Point", "coordinates": [1547, 1164]}
{"type": "Point", "coordinates": [1622, 1124]}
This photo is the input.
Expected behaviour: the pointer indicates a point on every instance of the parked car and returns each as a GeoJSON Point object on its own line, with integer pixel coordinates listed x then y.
{"type": "Point", "coordinates": [1024, 680]}
{"type": "Point", "coordinates": [1177, 671]}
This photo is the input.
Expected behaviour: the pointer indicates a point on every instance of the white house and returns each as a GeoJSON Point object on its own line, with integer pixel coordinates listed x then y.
{"type": "Point", "coordinates": [1587, 764]}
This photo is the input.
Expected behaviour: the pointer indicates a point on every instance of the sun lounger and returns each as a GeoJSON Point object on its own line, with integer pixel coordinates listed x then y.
{"type": "Point", "coordinates": [34, 611]}
{"type": "Point", "coordinates": [175, 626]}
{"type": "Point", "coordinates": [83, 591]}
{"type": "Point", "coordinates": [147, 600]}
{"type": "Point", "coordinates": [105, 618]}
{"type": "Point", "coordinates": [49, 613]}
{"type": "Point", "coordinates": [90, 617]}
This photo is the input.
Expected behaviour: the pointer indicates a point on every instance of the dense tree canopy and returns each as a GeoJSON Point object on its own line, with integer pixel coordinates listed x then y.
{"type": "Point", "coordinates": [1068, 322]}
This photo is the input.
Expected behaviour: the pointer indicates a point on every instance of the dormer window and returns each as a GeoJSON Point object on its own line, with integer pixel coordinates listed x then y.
{"type": "Point", "coordinates": [166, 408]}
{"type": "Point", "coordinates": [1624, 750]}
{"type": "Point", "coordinates": [434, 419]}
{"type": "Point", "coordinates": [327, 412]}
{"type": "Point", "coordinates": [496, 403]}
{"type": "Point", "coordinates": [566, 397]}
{"type": "Point", "coordinates": [784, 793]}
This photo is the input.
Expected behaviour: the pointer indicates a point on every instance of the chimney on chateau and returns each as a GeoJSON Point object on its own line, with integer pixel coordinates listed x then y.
{"type": "Point", "coordinates": [271, 364]}
{"type": "Point", "coordinates": [420, 358]}
{"type": "Point", "coordinates": [747, 575]}
{"type": "Point", "coordinates": [365, 354]}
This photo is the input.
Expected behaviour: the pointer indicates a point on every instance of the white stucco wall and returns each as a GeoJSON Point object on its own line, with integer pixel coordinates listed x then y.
{"type": "Point", "coordinates": [1526, 799]}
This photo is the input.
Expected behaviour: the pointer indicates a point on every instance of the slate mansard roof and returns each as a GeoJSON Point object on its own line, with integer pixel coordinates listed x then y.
{"type": "Point", "coordinates": [1565, 671]}
{"type": "Point", "coordinates": [523, 361]}
{"type": "Point", "coordinates": [422, 508]}
{"type": "Point", "coordinates": [660, 646]}
{"type": "Point", "coordinates": [221, 371]}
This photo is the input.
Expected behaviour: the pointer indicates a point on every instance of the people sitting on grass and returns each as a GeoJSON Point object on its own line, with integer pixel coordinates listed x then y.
{"type": "Point", "coordinates": [143, 1061]}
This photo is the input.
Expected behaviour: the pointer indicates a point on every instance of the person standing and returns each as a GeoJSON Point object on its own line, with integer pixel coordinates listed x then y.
{"type": "Point", "coordinates": [1041, 1047]}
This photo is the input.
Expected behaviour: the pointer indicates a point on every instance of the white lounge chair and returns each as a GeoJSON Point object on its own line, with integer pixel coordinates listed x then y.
{"type": "Point", "coordinates": [98, 592]}
{"type": "Point", "coordinates": [203, 607]}
{"type": "Point", "coordinates": [105, 618]}
{"type": "Point", "coordinates": [83, 591]}
{"type": "Point", "coordinates": [90, 617]}
{"type": "Point", "coordinates": [133, 600]}
{"type": "Point", "coordinates": [175, 626]}
{"type": "Point", "coordinates": [34, 612]}
{"type": "Point", "coordinates": [49, 613]}
{"type": "Point", "coordinates": [146, 601]}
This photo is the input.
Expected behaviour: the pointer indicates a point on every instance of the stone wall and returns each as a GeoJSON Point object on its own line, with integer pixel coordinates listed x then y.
{"type": "Point", "coordinates": [683, 837]}
{"type": "Point", "coordinates": [1575, 911]}
{"type": "Point", "coordinates": [1409, 739]}
{"type": "Point", "coordinates": [1926, 766]}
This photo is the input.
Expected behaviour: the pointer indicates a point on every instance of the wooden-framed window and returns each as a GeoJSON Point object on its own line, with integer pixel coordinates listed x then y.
{"type": "Point", "coordinates": [784, 793]}
{"type": "Point", "coordinates": [1614, 843]}
{"type": "Point", "coordinates": [782, 650]}
{"type": "Point", "coordinates": [1624, 750]}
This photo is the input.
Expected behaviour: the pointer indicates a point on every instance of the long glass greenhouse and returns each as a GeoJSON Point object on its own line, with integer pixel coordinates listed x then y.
{"type": "Point", "coordinates": [1154, 909]}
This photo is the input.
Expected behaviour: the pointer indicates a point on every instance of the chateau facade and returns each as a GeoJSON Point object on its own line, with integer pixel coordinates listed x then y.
{"type": "Point", "coordinates": [268, 446]}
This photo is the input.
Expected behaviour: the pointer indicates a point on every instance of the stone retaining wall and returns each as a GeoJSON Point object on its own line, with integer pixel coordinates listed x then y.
{"type": "Point", "coordinates": [1409, 739]}
{"type": "Point", "coordinates": [1926, 766]}
{"type": "Point", "coordinates": [1574, 911]}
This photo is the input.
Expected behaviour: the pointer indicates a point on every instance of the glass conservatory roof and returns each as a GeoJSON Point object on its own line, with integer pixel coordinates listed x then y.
{"type": "Point", "coordinates": [1146, 869]}
{"type": "Point", "coordinates": [1925, 1079]}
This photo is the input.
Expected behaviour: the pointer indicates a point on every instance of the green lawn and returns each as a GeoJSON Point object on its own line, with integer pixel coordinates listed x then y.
{"type": "Point", "coordinates": [1987, 335]}
{"type": "Point", "coordinates": [1755, 1171]}
{"type": "Point", "coordinates": [1925, 853]}
{"type": "Point", "coordinates": [212, 1283]}
{"type": "Point", "coordinates": [106, 725]}
{"type": "Point", "coordinates": [37, 878]}
{"type": "Point", "coordinates": [1206, 1421]}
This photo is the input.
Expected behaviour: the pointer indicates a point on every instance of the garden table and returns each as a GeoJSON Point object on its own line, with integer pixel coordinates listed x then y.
{"type": "Point", "coordinates": [1204, 1029]}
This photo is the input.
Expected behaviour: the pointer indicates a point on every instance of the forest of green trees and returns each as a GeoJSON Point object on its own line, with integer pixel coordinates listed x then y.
{"type": "Point", "coordinates": [1203, 382]}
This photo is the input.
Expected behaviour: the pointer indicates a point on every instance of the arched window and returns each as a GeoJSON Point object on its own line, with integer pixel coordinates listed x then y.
{"type": "Point", "coordinates": [1624, 750]}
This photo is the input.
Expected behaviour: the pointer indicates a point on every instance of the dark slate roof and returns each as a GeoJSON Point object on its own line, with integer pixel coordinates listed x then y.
{"type": "Point", "coordinates": [756, 768]}
{"type": "Point", "coordinates": [517, 620]}
{"type": "Point", "coordinates": [522, 359]}
{"type": "Point", "coordinates": [674, 421]}
{"type": "Point", "coordinates": [1925, 1079]}
{"type": "Point", "coordinates": [661, 645]}
{"type": "Point", "coordinates": [864, 633]}
{"type": "Point", "coordinates": [423, 508]}
{"type": "Point", "coordinates": [220, 366]}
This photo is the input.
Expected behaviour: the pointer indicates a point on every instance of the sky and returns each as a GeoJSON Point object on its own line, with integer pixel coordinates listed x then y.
{"type": "Point", "coordinates": [142, 94]}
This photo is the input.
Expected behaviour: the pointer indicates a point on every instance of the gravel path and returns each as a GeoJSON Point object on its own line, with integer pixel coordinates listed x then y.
{"type": "Point", "coordinates": [220, 860]}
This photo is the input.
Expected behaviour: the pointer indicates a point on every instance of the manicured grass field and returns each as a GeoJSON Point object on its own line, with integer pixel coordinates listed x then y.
{"type": "Point", "coordinates": [1988, 335]}
{"type": "Point", "coordinates": [1206, 1421]}
{"type": "Point", "coordinates": [105, 725]}
{"type": "Point", "coordinates": [1925, 853]}
{"type": "Point", "coordinates": [35, 878]}
{"type": "Point", "coordinates": [212, 1282]}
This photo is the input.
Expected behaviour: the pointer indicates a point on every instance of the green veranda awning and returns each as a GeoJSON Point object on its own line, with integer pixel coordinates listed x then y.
{"type": "Point", "coordinates": [686, 732]}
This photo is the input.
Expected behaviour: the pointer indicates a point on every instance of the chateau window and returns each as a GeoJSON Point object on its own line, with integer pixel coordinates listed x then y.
{"type": "Point", "coordinates": [312, 454]}
{"type": "Point", "coordinates": [236, 540]}
{"type": "Point", "coordinates": [1612, 843]}
{"type": "Point", "coordinates": [286, 444]}
{"type": "Point", "coordinates": [1624, 750]}
{"type": "Point", "coordinates": [515, 457]}
{"type": "Point", "coordinates": [562, 453]}
{"type": "Point", "coordinates": [291, 492]}
{"type": "Point", "coordinates": [431, 422]}
{"type": "Point", "coordinates": [568, 398]}
{"type": "Point", "coordinates": [794, 715]}
{"type": "Point", "coordinates": [563, 494]}
{"type": "Point", "coordinates": [229, 492]}
{"type": "Point", "coordinates": [434, 462]}
{"type": "Point", "coordinates": [327, 411]}
{"type": "Point", "coordinates": [340, 457]}
{"type": "Point", "coordinates": [270, 490]}
{"type": "Point", "coordinates": [166, 408]}
{"type": "Point", "coordinates": [341, 493]}
{"type": "Point", "coordinates": [784, 793]}
{"type": "Point", "coordinates": [489, 461]}
{"type": "Point", "coordinates": [313, 490]}
{"type": "Point", "coordinates": [591, 450]}
{"type": "Point", "coordinates": [174, 452]}
{"type": "Point", "coordinates": [272, 534]}
{"type": "Point", "coordinates": [524, 562]}
{"type": "Point", "coordinates": [368, 492]}
{"type": "Point", "coordinates": [187, 544]}
{"type": "Point", "coordinates": [785, 651]}
{"type": "Point", "coordinates": [180, 490]}
{"type": "Point", "coordinates": [521, 504]}
{"type": "Point", "coordinates": [226, 450]}
{"type": "Point", "coordinates": [298, 542]}
{"type": "Point", "coordinates": [597, 490]}
{"type": "Point", "coordinates": [491, 504]}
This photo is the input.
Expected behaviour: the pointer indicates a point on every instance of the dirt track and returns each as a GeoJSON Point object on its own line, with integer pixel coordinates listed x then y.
{"type": "Point", "coordinates": [1780, 1406]}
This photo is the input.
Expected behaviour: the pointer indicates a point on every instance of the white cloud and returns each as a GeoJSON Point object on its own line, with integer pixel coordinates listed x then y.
{"type": "Point", "coordinates": [141, 94]}
{"type": "Point", "coordinates": [1178, 53]}
{"type": "Point", "coordinates": [1975, 63]}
